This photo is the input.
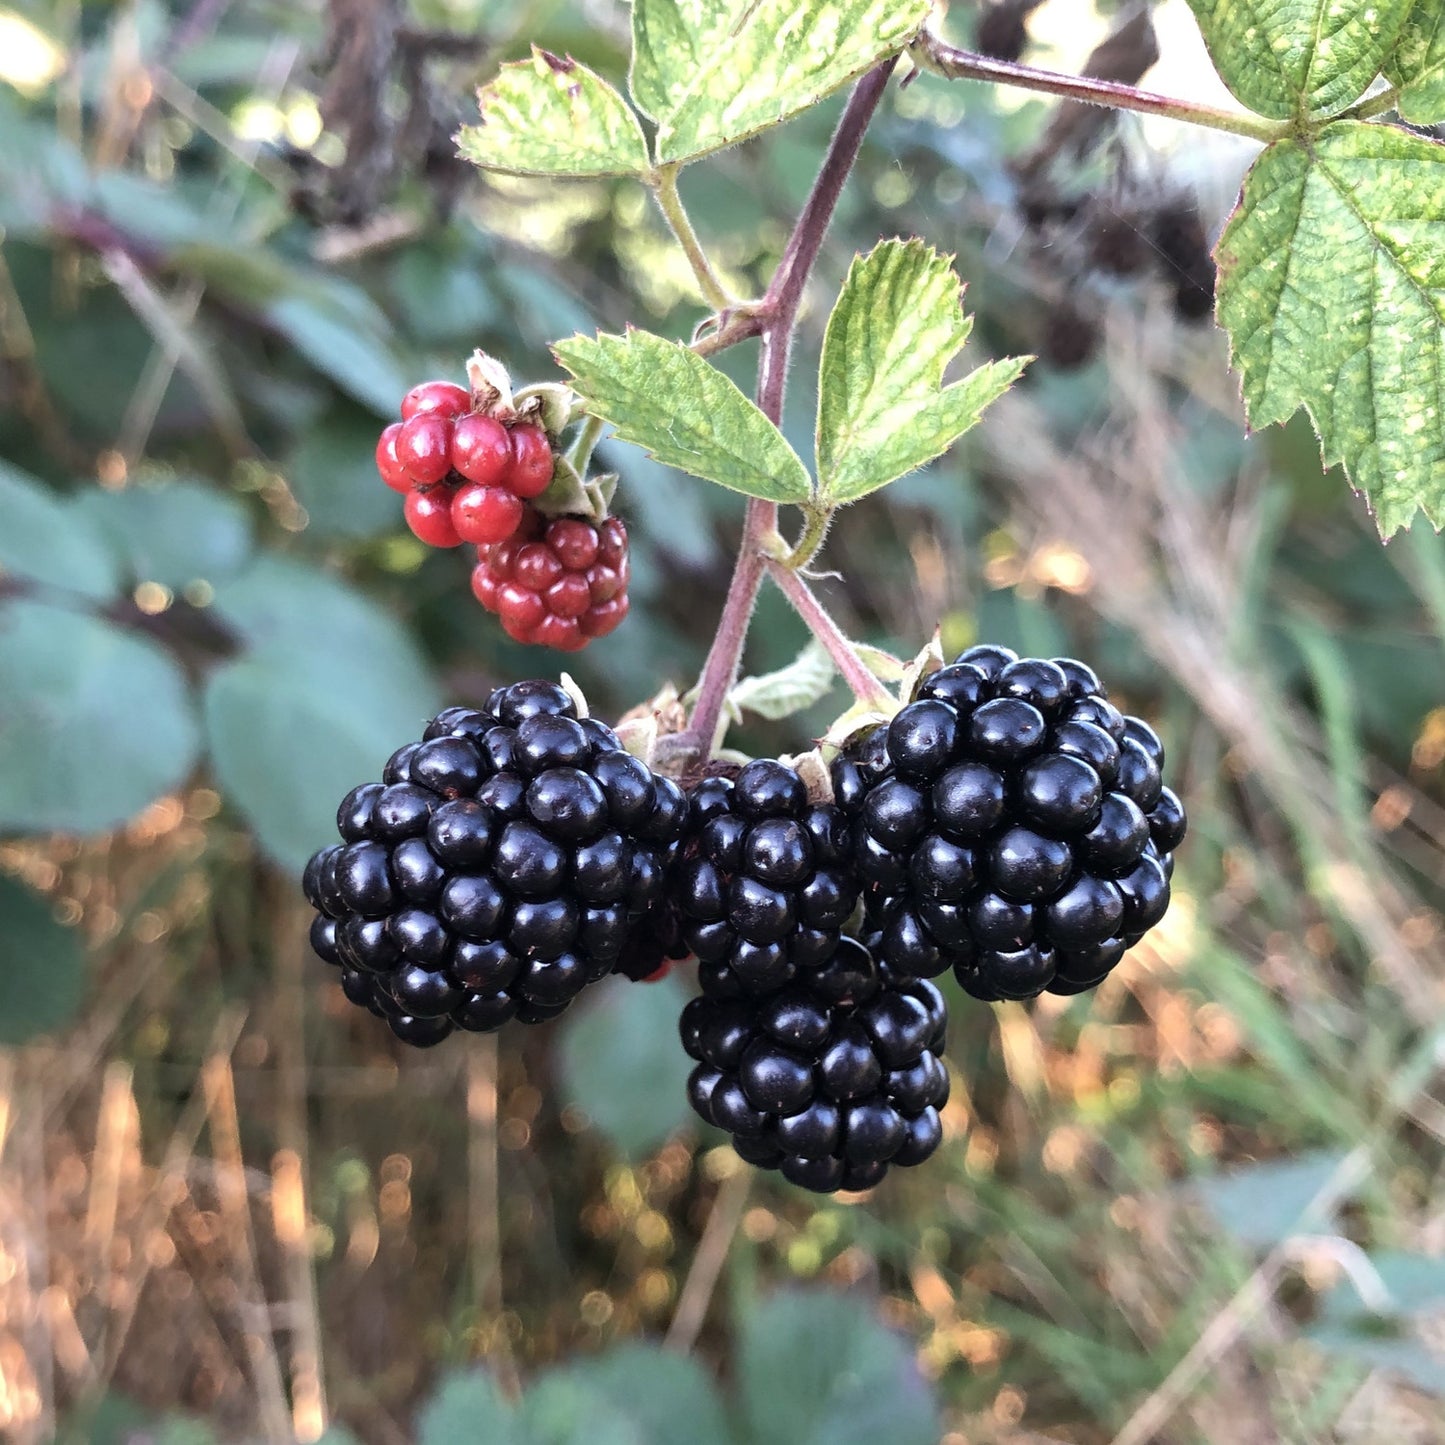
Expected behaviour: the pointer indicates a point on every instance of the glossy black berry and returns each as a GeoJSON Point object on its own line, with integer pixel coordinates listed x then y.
{"type": "Point", "coordinates": [1006, 730]}
{"type": "Point", "coordinates": [922, 738]}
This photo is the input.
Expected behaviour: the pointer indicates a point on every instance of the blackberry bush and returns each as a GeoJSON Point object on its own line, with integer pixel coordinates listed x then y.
{"type": "Point", "coordinates": [830, 1079]}
{"type": "Point", "coordinates": [504, 862]}
{"type": "Point", "coordinates": [1011, 824]}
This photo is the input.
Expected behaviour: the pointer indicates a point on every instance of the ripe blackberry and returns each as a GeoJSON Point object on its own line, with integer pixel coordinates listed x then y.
{"type": "Point", "coordinates": [830, 1084]}
{"type": "Point", "coordinates": [1011, 824]}
{"type": "Point", "coordinates": [507, 859]}
{"type": "Point", "coordinates": [765, 883]}
{"type": "Point", "coordinates": [558, 583]}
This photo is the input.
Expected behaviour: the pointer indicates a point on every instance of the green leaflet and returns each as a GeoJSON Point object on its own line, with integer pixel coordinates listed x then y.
{"type": "Point", "coordinates": [883, 410]}
{"type": "Point", "coordinates": [685, 412]}
{"type": "Point", "coordinates": [1283, 58]}
{"type": "Point", "coordinates": [1332, 289]}
{"type": "Point", "coordinates": [671, 43]}
{"type": "Point", "coordinates": [1418, 64]}
{"type": "Point", "coordinates": [550, 116]}
{"type": "Point", "coordinates": [776, 695]}
{"type": "Point", "coordinates": [779, 57]}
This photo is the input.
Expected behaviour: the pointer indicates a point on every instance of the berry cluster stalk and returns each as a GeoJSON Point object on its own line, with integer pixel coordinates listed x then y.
{"type": "Point", "coordinates": [777, 317]}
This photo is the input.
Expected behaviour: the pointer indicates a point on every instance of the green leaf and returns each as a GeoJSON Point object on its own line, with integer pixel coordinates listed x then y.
{"type": "Point", "coordinates": [818, 1369]}
{"type": "Point", "coordinates": [883, 410]}
{"type": "Point", "coordinates": [656, 1389]}
{"type": "Point", "coordinates": [623, 1064]}
{"type": "Point", "coordinates": [781, 694]}
{"type": "Point", "coordinates": [467, 1410]}
{"type": "Point", "coordinates": [345, 339]}
{"type": "Point", "coordinates": [1332, 289]}
{"type": "Point", "coordinates": [562, 1410]}
{"type": "Point", "coordinates": [331, 687]}
{"type": "Point", "coordinates": [1261, 1204]}
{"type": "Point", "coordinates": [777, 58]}
{"type": "Point", "coordinates": [550, 116]}
{"type": "Point", "coordinates": [672, 41]}
{"type": "Point", "coordinates": [175, 533]}
{"type": "Point", "coordinates": [686, 413]}
{"type": "Point", "coordinates": [95, 722]}
{"type": "Point", "coordinates": [1284, 58]}
{"type": "Point", "coordinates": [42, 966]}
{"type": "Point", "coordinates": [1418, 64]}
{"type": "Point", "coordinates": [45, 539]}
{"type": "Point", "coordinates": [332, 472]}
{"type": "Point", "coordinates": [1397, 1284]}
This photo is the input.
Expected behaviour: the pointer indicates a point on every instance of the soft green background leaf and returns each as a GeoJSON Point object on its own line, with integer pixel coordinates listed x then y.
{"type": "Point", "coordinates": [882, 408]}
{"type": "Point", "coordinates": [332, 472]}
{"type": "Point", "coordinates": [330, 688]}
{"type": "Point", "coordinates": [561, 1410]}
{"type": "Point", "coordinates": [818, 1369]}
{"type": "Point", "coordinates": [623, 1064]}
{"type": "Point", "coordinates": [667, 399]}
{"type": "Point", "coordinates": [1332, 289]}
{"type": "Point", "coordinates": [45, 539]}
{"type": "Point", "coordinates": [95, 722]}
{"type": "Point", "coordinates": [42, 966]}
{"type": "Point", "coordinates": [1261, 1204]}
{"type": "Point", "coordinates": [780, 694]}
{"type": "Point", "coordinates": [1418, 64]}
{"type": "Point", "coordinates": [1283, 58]}
{"type": "Point", "coordinates": [174, 533]}
{"type": "Point", "coordinates": [779, 60]}
{"type": "Point", "coordinates": [1412, 1284]}
{"type": "Point", "coordinates": [550, 116]}
{"type": "Point", "coordinates": [660, 1392]}
{"type": "Point", "coordinates": [468, 1409]}
{"type": "Point", "coordinates": [672, 41]}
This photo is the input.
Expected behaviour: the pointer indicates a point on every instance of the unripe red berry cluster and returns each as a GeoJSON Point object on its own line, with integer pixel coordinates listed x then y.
{"type": "Point", "coordinates": [466, 476]}
{"type": "Point", "coordinates": [557, 584]}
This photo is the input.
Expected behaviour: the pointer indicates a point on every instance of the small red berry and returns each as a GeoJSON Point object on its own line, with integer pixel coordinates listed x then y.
{"type": "Point", "coordinates": [575, 542]}
{"type": "Point", "coordinates": [441, 398]}
{"type": "Point", "coordinates": [568, 596]}
{"type": "Point", "coordinates": [387, 461]}
{"type": "Point", "coordinates": [429, 515]}
{"type": "Point", "coordinates": [562, 633]}
{"type": "Point", "coordinates": [604, 582]}
{"type": "Point", "coordinates": [423, 446]}
{"type": "Point", "coordinates": [485, 514]}
{"type": "Point", "coordinates": [519, 607]}
{"type": "Point", "coordinates": [537, 566]}
{"type": "Point", "coordinates": [531, 470]}
{"type": "Point", "coordinates": [612, 541]}
{"type": "Point", "coordinates": [481, 450]}
{"type": "Point", "coordinates": [606, 617]}
{"type": "Point", "coordinates": [485, 586]}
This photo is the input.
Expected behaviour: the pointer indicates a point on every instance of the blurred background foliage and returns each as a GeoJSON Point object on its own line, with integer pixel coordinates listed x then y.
{"type": "Point", "coordinates": [1204, 1204]}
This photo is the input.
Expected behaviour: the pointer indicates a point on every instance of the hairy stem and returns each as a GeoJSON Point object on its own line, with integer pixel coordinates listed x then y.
{"type": "Point", "coordinates": [851, 667]}
{"type": "Point", "coordinates": [816, 521]}
{"type": "Point", "coordinates": [670, 203]}
{"type": "Point", "coordinates": [777, 318]}
{"type": "Point", "coordinates": [932, 53]}
{"type": "Point", "coordinates": [580, 452]}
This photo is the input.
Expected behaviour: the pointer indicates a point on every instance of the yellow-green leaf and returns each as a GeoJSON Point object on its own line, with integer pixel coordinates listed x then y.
{"type": "Point", "coordinates": [667, 399]}
{"type": "Point", "coordinates": [1418, 64]}
{"type": "Point", "coordinates": [883, 410]}
{"type": "Point", "coordinates": [1284, 58]}
{"type": "Point", "coordinates": [777, 57]}
{"type": "Point", "coordinates": [1332, 289]}
{"type": "Point", "coordinates": [672, 41]}
{"type": "Point", "coordinates": [550, 116]}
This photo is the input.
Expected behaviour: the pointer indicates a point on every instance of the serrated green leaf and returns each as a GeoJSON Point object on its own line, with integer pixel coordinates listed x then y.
{"type": "Point", "coordinates": [1284, 58]}
{"type": "Point", "coordinates": [672, 41]}
{"type": "Point", "coordinates": [779, 57]}
{"type": "Point", "coordinates": [685, 413]}
{"type": "Point", "coordinates": [883, 410]}
{"type": "Point", "coordinates": [1418, 64]}
{"type": "Point", "coordinates": [1332, 289]}
{"type": "Point", "coordinates": [95, 722]}
{"type": "Point", "coordinates": [42, 966]}
{"type": "Point", "coordinates": [550, 116]}
{"type": "Point", "coordinates": [780, 694]}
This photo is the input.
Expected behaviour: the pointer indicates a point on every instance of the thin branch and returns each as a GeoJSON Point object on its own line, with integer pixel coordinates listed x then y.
{"type": "Point", "coordinates": [669, 202]}
{"type": "Point", "coordinates": [932, 53]}
{"type": "Point", "coordinates": [712, 1252]}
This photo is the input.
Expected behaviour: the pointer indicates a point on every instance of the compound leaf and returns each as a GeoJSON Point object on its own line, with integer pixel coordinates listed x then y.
{"type": "Point", "coordinates": [1418, 64]}
{"type": "Point", "coordinates": [1284, 58]}
{"type": "Point", "coordinates": [550, 116]}
{"type": "Point", "coordinates": [776, 58]}
{"type": "Point", "coordinates": [882, 407]}
{"type": "Point", "coordinates": [686, 413]}
{"type": "Point", "coordinates": [1332, 289]}
{"type": "Point", "coordinates": [672, 41]}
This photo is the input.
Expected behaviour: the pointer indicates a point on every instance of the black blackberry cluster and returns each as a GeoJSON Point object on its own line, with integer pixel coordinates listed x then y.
{"type": "Point", "coordinates": [1011, 824]}
{"type": "Point", "coordinates": [504, 862]}
{"type": "Point", "coordinates": [830, 1079]}
{"type": "Point", "coordinates": [766, 881]}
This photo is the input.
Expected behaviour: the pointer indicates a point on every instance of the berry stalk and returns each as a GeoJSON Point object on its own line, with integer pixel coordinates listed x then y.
{"type": "Point", "coordinates": [669, 202]}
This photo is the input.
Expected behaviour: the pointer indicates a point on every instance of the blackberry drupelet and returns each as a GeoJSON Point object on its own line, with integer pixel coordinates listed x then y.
{"type": "Point", "coordinates": [1012, 825]}
{"type": "Point", "coordinates": [765, 882]}
{"type": "Point", "coordinates": [505, 861]}
{"type": "Point", "coordinates": [830, 1079]}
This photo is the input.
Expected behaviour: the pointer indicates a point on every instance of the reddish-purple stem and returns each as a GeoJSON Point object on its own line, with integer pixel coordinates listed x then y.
{"type": "Point", "coordinates": [865, 687]}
